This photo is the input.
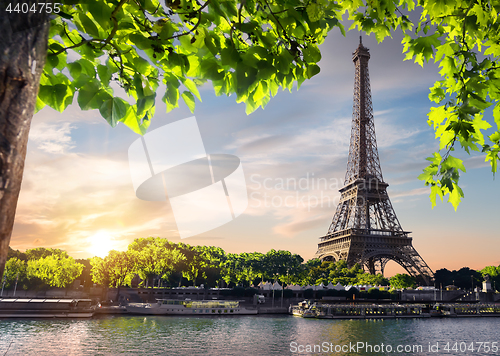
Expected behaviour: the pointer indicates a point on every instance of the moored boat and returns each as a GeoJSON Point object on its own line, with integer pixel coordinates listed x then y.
{"type": "Point", "coordinates": [190, 307]}
{"type": "Point", "coordinates": [323, 310]}
{"type": "Point", "coordinates": [46, 308]}
{"type": "Point", "coordinates": [304, 309]}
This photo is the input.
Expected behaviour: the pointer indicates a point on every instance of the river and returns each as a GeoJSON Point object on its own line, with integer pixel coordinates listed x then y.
{"type": "Point", "coordinates": [249, 335]}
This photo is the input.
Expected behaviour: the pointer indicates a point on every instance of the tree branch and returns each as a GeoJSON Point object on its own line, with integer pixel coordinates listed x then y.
{"type": "Point", "coordinates": [115, 23]}
{"type": "Point", "coordinates": [76, 45]}
{"type": "Point", "coordinates": [279, 23]}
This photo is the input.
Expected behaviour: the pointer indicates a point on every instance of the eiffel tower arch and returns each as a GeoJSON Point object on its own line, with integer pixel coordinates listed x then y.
{"type": "Point", "coordinates": [365, 228]}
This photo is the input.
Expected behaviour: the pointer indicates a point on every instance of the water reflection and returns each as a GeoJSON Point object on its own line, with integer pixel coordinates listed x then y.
{"type": "Point", "coordinates": [237, 335]}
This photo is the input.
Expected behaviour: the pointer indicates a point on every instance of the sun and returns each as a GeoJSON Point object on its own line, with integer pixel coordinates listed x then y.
{"type": "Point", "coordinates": [100, 244]}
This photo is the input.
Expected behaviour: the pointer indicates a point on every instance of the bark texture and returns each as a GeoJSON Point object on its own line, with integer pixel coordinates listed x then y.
{"type": "Point", "coordinates": [23, 48]}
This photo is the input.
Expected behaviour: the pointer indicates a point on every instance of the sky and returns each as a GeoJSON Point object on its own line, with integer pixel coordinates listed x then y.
{"type": "Point", "coordinates": [77, 192]}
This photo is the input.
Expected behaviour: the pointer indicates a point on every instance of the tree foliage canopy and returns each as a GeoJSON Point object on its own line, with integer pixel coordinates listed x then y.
{"type": "Point", "coordinates": [251, 48]}
{"type": "Point", "coordinates": [401, 281]}
{"type": "Point", "coordinates": [212, 266]}
{"type": "Point", "coordinates": [15, 269]}
{"type": "Point", "coordinates": [54, 270]}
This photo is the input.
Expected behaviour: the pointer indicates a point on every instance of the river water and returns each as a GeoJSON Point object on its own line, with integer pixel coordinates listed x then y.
{"type": "Point", "coordinates": [249, 335]}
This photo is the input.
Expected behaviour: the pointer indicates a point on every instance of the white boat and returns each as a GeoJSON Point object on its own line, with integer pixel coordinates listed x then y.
{"type": "Point", "coordinates": [304, 309]}
{"type": "Point", "coordinates": [189, 307]}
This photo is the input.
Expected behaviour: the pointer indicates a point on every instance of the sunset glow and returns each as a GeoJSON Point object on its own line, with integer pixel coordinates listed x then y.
{"type": "Point", "coordinates": [100, 244]}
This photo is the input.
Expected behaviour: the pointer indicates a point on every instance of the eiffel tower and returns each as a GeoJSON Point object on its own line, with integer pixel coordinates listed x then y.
{"type": "Point", "coordinates": [365, 228]}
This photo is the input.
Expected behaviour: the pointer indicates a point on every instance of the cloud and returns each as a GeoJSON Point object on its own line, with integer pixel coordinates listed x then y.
{"type": "Point", "coordinates": [293, 228]}
{"type": "Point", "coordinates": [52, 137]}
{"type": "Point", "coordinates": [266, 143]}
{"type": "Point", "coordinates": [389, 132]}
{"type": "Point", "coordinates": [413, 192]}
{"type": "Point", "coordinates": [476, 162]}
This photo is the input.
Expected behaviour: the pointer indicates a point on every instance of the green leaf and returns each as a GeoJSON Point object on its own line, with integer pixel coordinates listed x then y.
{"type": "Point", "coordinates": [171, 97]}
{"type": "Point", "coordinates": [113, 110]}
{"type": "Point", "coordinates": [191, 86]}
{"type": "Point", "coordinates": [57, 96]}
{"type": "Point", "coordinates": [88, 25]}
{"type": "Point", "coordinates": [478, 102]}
{"type": "Point", "coordinates": [452, 162]}
{"type": "Point", "coordinates": [39, 104]}
{"type": "Point", "coordinates": [142, 66]}
{"type": "Point", "coordinates": [210, 70]}
{"type": "Point", "coordinates": [314, 11]}
{"type": "Point", "coordinates": [283, 63]}
{"type": "Point", "coordinates": [492, 156]}
{"type": "Point", "coordinates": [455, 196]}
{"type": "Point", "coordinates": [230, 57]}
{"type": "Point", "coordinates": [495, 137]}
{"type": "Point", "coordinates": [58, 61]}
{"type": "Point", "coordinates": [101, 13]}
{"type": "Point", "coordinates": [479, 124]}
{"type": "Point", "coordinates": [312, 70]}
{"type": "Point", "coordinates": [199, 38]}
{"type": "Point", "coordinates": [266, 70]}
{"type": "Point", "coordinates": [104, 74]}
{"type": "Point", "coordinates": [311, 54]}
{"type": "Point", "coordinates": [145, 103]}
{"type": "Point", "coordinates": [167, 30]}
{"type": "Point", "coordinates": [90, 96]}
{"type": "Point", "coordinates": [87, 67]}
{"type": "Point", "coordinates": [422, 47]}
{"type": "Point", "coordinates": [496, 115]}
{"type": "Point", "coordinates": [140, 41]}
{"type": "Point", "coordinates": [133, 122]}
{"type": "Point", "coordinates": [189, 100]}
{"type": "Point", "coordinates": [75, 69]}
{"type": "Point", "coordinates": [435, 190]}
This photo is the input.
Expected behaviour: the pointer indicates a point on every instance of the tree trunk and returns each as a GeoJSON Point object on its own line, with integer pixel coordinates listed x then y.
{"type": "Point", "coordinates": [118, 294]}
{"type": "Point", "coordinates": [23, 48]}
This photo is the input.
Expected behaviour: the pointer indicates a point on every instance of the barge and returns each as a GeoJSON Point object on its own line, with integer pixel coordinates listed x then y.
{"type": "Point", "coordinates": [321, 310]}
{"type": "Point", "coordinates": [190, 307]}
{"type": "Point", "coordinates": [46, 308]}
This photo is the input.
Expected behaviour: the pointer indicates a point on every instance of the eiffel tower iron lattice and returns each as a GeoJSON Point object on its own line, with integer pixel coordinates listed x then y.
{"type": "Point", "coordinates": [365, 228]}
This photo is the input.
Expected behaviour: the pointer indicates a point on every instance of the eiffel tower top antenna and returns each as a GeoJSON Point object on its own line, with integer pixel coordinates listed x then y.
{"type": "Point", "coordinates": [363, 161]}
